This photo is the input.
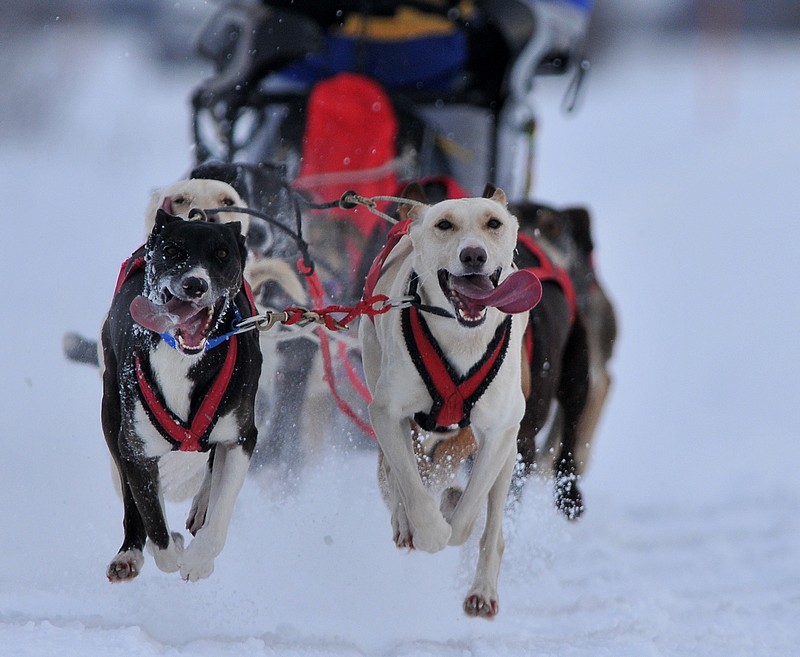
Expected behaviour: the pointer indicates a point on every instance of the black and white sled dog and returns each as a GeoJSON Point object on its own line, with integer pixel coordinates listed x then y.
{"type": "Point", "coordinates": [176, 378]}
{"type": "Point", "coordinates": [275, 284]}
{"type": "Point", "coordinates": [452, 360]}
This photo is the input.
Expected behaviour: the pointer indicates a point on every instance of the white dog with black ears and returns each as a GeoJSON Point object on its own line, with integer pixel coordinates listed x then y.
{"type": "Point", "coordinates": [450, 360]}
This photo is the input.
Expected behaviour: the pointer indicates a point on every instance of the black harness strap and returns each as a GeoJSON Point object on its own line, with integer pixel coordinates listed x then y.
{"type": "Point", "coordinates": [453, 396]}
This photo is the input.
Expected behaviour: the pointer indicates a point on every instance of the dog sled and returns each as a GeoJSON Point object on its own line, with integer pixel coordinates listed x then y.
{"type": "Point", "coordinates": [317, 97]}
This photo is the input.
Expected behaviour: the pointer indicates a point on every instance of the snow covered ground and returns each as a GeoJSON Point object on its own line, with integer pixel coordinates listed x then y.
{"type": "Point", "coordinates": [687, 152]}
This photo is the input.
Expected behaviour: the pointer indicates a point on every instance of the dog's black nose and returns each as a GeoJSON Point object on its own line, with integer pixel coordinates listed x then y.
{"type": "Point", "coordinates": [473, 257]}
{"type": "Point", "coordinates": [194, 286]}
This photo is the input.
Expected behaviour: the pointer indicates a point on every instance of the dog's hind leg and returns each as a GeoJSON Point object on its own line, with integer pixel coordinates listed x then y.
{"type": "Point", "coordinates": [601, 332]}
{"type": "Point", "coordinates": [492, 457]}
{"type": "Point", "coordinates": [572, 393]}
{"type": "Point", "coordinates": [549, 324]}
{"type": "Point", "coordinates": [199, 509]}
{"type": "Point", "coordinates": [227, 477]}
{"type": "Point", "coordinates": [482, 599]}
{"type": "Point", "coordinates": [598, 392]}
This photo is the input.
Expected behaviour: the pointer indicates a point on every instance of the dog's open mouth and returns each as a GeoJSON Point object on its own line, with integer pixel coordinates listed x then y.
{"type": "Point", "coordinates": [467, 294]}
{"type": "Point", "coordinates": [189, 323]}
{"type": "Point", "coordinates": [472, 294]}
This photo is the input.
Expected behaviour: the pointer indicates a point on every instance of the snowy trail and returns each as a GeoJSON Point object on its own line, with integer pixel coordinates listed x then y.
{"type": "Point", "coordinates": [687, 156]}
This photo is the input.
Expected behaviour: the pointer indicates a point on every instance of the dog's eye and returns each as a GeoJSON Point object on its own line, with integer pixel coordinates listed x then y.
{"type": "Point", "coordinates": [179, 200]}
{"type": "Point", "coordinates": [445, 224]}
{"type": "Point", "coordinates": [494, 223]}
{"type": "Point", "coordinates": [171, 251]}
{"type": "Point", "coordinates": [228, 201]}
{"type": "Point", "coordinates": [222, 254]}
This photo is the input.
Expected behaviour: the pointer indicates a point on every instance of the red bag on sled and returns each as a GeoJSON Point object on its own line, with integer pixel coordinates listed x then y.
{"type": "Point", "coordinates": [349, 143]}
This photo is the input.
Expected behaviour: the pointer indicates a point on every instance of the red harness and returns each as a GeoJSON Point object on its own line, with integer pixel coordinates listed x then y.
{"type": "Point", "coordinates": [397, 232]}
{"type": "Point", "coordinates": [453, 395]}
{"type": "Point", "coordinates": [189, 436]}
{"type": "Point", "coordinates": [128, 268]}
{"type": "Point", "coordinates": [546, 271]}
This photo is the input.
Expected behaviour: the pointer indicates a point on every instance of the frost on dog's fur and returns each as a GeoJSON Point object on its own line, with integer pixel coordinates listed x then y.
{"type": "Point", "coordinates": [160, 396]}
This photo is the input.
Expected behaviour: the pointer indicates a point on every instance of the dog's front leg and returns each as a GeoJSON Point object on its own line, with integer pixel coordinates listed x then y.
{"type": "Point", "coordinates": [492, 456]}
{"type": "Point", "coordinates": [482, 599]}
{"type": "Point", "coordinates": [199, 509]}
{"type": "Point", "coordinates": [141, 475]}
{"type": "Point", "coordinates": [129, 560]}
{"type": "Point", "coordinates": [423, 527]}
{"type": "Point", "coordinates": [227, 476]}
{"type": "Point", "coordinates": [401, 533]}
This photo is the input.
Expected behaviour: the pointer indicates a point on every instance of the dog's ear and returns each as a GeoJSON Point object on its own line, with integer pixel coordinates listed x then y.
{"type": "Point", "coordinates": [579, 222]}
{"type": "Point", "coordinates": [416, 211]}
{"type": "Point", "coordinates": [163, 219]}
{"type": "Point", "coordinates": [236, 228]}
{"type": "Point", "coordinates": [413, 192]}
{"type": "Point", "coordinates": [498, 195]}
{"type": "Point", "coordinates": [242, 241]}
{"type": "Point", "coordinates": [489, 190]}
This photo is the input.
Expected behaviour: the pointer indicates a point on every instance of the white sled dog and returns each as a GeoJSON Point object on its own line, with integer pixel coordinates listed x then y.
{"type": "Point", "coordinates": [183, 196]}
{"type": "Point", "coordinates": [450, 360]}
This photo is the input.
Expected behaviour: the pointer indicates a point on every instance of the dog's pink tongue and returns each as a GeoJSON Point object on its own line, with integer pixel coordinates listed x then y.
{"type": "Point", "coordinates": [161, 318]}
{"type": "Point", "coordinates": [518, 293]}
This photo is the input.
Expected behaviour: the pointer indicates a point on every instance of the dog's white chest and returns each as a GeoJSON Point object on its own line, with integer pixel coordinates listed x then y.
{"type": "Point", "coordinates": [170, 370]}
{"type": "Point", "coordinates": [171, 373]}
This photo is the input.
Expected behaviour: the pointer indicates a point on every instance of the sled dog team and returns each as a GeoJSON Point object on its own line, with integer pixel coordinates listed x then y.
{"type": "Point", "coordinates": [508, 326]}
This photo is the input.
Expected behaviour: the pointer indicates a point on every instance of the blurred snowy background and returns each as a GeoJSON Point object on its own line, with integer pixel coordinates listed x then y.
{"type": "Point", "coordinates": [687, 150]}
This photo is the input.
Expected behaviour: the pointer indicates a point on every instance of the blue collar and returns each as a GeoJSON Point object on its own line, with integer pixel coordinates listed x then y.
{"type": "Point", "coordinates": [212, 342]}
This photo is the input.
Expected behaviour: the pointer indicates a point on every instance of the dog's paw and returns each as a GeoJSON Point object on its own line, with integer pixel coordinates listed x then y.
{"type": "Point", "coordinates": [197, 570]}
{"type": "Point", "coordinates": [481, 605]}
{"type": "Point", "coordinates": [433, 535]}
{"type": "Point", "coordinates": [197, 517]}
{"type": "Point", "coordinates": [568, 498]}
{"type": "Point", "coordinates": [125, 566]}
{"type": "Point", "coordinates": [401, 529]}
{"type": "Point", "coordinates": [449, 501]}
{"type": "Point", "coordinates": [168, 560]}
{"type": "Point", "coordinates": [198, 561]}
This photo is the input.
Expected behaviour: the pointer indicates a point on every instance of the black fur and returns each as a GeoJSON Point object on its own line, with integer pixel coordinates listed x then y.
{"type": "Point", "coordinates": [559, 370]}
{"type": "Point", "coordinates": [199, 243]}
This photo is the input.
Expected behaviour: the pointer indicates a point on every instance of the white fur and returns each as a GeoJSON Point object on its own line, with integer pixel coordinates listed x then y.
{"type": "Point", "coordinates": [213, 505]}
{"type": "Point", "coordinates": [180, 473]}
{"type": "Point", "coordinates": [169, 559]}
{"type": "Point", "coordinates": [230, 469]}
{"type": "Point", "coordinates": [398, 391]}
{"type": "Point", "coordinates": [201, 193]}
{"type": "Point", "coordinates": [126, 565]}
{"type": "Point", "coordinates": [169, 368]}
